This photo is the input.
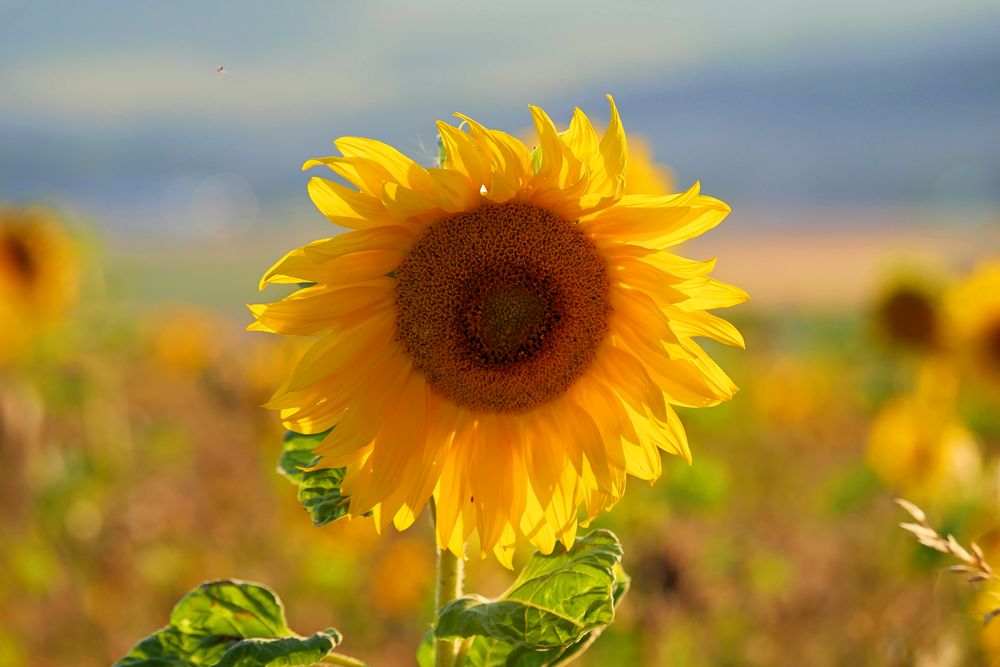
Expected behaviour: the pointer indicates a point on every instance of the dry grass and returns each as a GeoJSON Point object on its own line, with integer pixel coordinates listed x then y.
{"type": "Point", "coordinates": [974, 564]}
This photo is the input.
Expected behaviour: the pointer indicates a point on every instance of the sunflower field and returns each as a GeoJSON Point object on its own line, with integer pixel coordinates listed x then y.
{"type": "Point", "coordinates": [702, 372]}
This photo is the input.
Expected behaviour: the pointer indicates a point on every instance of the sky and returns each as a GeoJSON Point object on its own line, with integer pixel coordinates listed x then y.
{"type": "Point", "coordinates": [119, 110]}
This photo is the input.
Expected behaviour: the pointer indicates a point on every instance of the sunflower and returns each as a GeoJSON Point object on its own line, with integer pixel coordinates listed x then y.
{"type": "Point", "coordinates": [183, 339]}
{"type": "Point", "coordinates": [38, 277]}
{"type": "Point", "coordinates": [507, 333]}
{"type": "Point", "coordinates": [917, 442]}
{"type": "Point", "coordinates": [973, 319]}
{"type": "Point", "coordinates": [644, 176]}
{"type": "Point", "coordinates": [907, 316]}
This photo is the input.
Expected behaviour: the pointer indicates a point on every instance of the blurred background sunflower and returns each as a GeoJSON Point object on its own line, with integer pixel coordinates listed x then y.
{"type": "Point", "coordinates": [38, 276]}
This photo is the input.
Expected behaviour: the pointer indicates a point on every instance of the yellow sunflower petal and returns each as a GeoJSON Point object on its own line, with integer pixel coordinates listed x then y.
{"type": "Point", "coordinates": [346, 207]}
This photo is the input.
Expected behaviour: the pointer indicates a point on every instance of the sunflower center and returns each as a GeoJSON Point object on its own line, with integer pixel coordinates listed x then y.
{"type": "Point", "coordinates": [991, 345]}
{"type": "Point", "coordinates": [502, 308]}
{"type": "Point", "coordinates": [508, 322]}
{"type": "Point", "coordinates": [19, 257]}
{"type": "Point", "coordinates": [908, 317]}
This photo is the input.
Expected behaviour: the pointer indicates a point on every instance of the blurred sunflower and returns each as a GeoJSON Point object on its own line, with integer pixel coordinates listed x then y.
{"type": "Point", "coordinates": [973, 311]}
{"type": "Point", "coordinates": [907, 315]}
{"type": "Point", "coordinates": [506, 333]}
{"type": "Point", "coordinates": [643, 175]}
{"type": "Point", "coordinates": [183, 339]}
{"type": "Point", "coordinates": [917, 443]}
{"type": "Point", "coordinates": [38, 276]}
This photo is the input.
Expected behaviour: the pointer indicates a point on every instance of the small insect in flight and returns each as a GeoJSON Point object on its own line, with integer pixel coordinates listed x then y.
{"type": "Point", "coordinates": [222, 69]}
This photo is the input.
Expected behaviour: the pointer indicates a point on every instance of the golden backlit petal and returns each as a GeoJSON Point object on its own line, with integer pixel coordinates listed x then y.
{"type": "Point", "coordinates": [406, 205]}
{"type": "Point", "coordinates": [643, 276]}
{"type": "Point", "coordinates": [679, 379]}
{"type": "Point", "coordinates": [581, 137]}
{"type": "Point", "coordinates": [605, 178]}
{"type": "Point", "coordinates": [599, 408]}
{"type": "Point", "coordinates": [311, 263]}
{"type": "Point", "coordinates": [505, 547]}
{"type": "Point", "coordinates": [613, 146]}
{"type": "Point", "coordinates": [630, 379]}
{"type": "Point", "coordinates": [562, 509]}
{"type": "Point", "coordinates": [699, 323]}
{"type": "Point", "coordinates": [595, 502]}
{"type": "Point", "coordinates": [666, 435]}
{"type": "Point", "coordinates": [573, 494]}
{"type": "Point", "coordinates": [550, 144]}
{"type": "Point", "coordinates": [399, 442]}
{"type": "Point", "coordinates": [705, 214]}
{"type": "Point", "coordinates": [535, 525]}
{"type": "Point", "coordinates": [455, 191]}
{"type": "Point", "coordinates": [657, 220]}
{"type": "Point", "coordinates": [442, 418]}
{"type": "Point", "coordinates": [496, 489]}
{"type": "Point", "coordinates": [346, 207]}
{"type": "Point", "coordinates": [708, 293]}
{"type": "Point", "coordinates": [451, 494]}
{"type": "Point", "coordinates": [682, 267]}
{"type": "Point", "coordinates": [642, 460]}
{"type": "Point", "coordinates": [464, 154]}
{"type": "Point", "coordinates": [401, 169]}
{"type": "Point", "coordinates": [582, 140]}
{"type": "Point", "coordinates": [364, 174]}
{"type": "Point", "coordinates": [295, 267]}
{"type": "Point", "coordinates": [503, 189]}
{"type": "Point", "coordinates": [578, 425]}
{"type": "Point", "coordinates": [309, 314]}
{"type": "Point", "coordinates": [392, 237]}
{"type": "Point", "coordinates": [426, 459]}
{"type": "Point", "coordinates": [361, 266]}
{"type": "Point", "coordinates": [309, 420]}
{"type": "Point", "coordinates": [721, 383]}
{"type": "Point", "coordinates": [342, 349]}
{"type": "Point", "coordinates": [545, 457]}
{"type": "Point", "coordinates": [362, 420]}
{"type": "Point", "coordinates": [676, 441]}
{"type": "Point", "coordinates": [511, 158]}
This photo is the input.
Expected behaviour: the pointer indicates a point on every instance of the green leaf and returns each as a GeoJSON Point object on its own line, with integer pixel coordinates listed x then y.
{"type": "Point", "coordinates": [279, 652]}
{"type": "Point", "coordinates": [229, 623]}
{"type": "Point", "coordinates": [555, 609]}
{"type": "Point", "coordinates": [319, 490]}
{"type": "Point", "coordinates": [486, 652]}
{"type": "Point", "coordinates": [297, 454]}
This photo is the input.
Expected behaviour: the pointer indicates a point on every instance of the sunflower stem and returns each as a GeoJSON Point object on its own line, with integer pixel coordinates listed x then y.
{"type": "Point", "coordinates": [463, 651]}
{"type": "Point", "coordinates": [449, 587]}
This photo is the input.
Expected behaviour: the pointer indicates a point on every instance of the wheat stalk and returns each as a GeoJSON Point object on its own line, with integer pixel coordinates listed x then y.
{"type": "Point", "coordinates": [974, 563]}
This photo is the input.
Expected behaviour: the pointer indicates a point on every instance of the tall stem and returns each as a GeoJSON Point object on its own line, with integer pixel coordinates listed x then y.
{"type": "Point", "coordinates": [449, 587]}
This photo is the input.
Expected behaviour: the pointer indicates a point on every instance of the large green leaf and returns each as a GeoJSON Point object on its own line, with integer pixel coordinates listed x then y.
{"type": "Point", "coordinates": [319, 490]}
{"type": "Point", "coordinates": [555, 609]}
{"type": "Point", "coordinates": [229, 623]}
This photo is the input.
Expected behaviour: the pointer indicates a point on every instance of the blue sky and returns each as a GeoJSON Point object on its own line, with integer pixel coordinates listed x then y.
{"type": "Point", "coordinates": [116, 108]}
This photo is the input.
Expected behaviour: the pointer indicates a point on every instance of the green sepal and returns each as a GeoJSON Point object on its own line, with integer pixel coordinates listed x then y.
{"type": "Point", "coordinates": [536, 159]}
{"type": "Point", "coordinates": [319, 490]}
{"type": "Point", "coordinates": [442, 152]}
{"type": "Point", "coordinates": [555, 609]}
{"type": "Point", "coordinates": [229, 623]}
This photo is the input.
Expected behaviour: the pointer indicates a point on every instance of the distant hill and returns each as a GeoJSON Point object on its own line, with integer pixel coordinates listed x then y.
{"type": "Point", "coordinates": [915, 131]}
